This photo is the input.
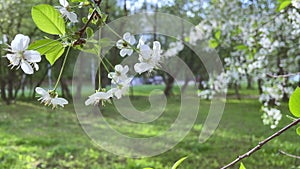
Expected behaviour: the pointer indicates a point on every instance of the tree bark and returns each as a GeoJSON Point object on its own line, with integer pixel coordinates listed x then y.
{"type": "Point", "coordinates": [169, 81]}
{"type": "Point", "coordinates": [249, 81]}
{"type": "Point", "coordinates": [237, 92]}
{"type": "Point", "coordinates": [260, 83]}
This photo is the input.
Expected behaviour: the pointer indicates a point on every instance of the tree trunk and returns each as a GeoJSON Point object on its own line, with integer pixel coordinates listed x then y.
{"type": "Point", "coordinates": [10, 87]}
{"type": "Point", "coordinates": [260, 83]}
{"type": "Point", "coordinates": [2, 82]}
{"type": "Point", "coordinates": [169, 85]}
{"type": "Point", "coordinates": [237, 92]}
{"type": "Point", "coordinates": [249, 81]}
{"type": "Point", "coordinates": [186, 83]}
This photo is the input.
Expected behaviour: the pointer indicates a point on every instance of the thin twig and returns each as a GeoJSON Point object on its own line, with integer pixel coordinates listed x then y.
{"type": "Point", "coordinates": [283, 76]}
{"type": "Point", "coordinates": [81, 32]}
{"type": "Point", "coordinates": [259, 146]}
{"type": "Point", "coordinates": [289, 155]}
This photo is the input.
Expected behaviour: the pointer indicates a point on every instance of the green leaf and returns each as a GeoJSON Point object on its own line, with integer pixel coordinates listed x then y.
{"type": "Point", "coordinates": [178, 163]}
{"type": "Point", "coordinates": [294, 103]}
{"type": "Point", "coordinates": [89, 32]}
{"type": "Point", "coordinates": [218, 35]}
{"type": "Point", "coordinates": [213, 43]}
{"type": "Point", "coordinates": [283, 5]}
{"type": "Point", "coordinates": [242, 166]}
{"type": "Point", "coordinates": [48, 19]}
{"type": "Point", "coordinates": [298, 130]}
{"type": "Point", "coordinates": [241, 47]}
{"type": "Point", "coordinates": [52, 49]}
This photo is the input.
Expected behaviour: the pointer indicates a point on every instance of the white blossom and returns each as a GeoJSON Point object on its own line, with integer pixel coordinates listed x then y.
{"type": "Point", "coordinates": [50, 98]}
{"type": "Point", "coordinates": [119, 75]}
{"type": "Point", "coordinates": [149, 58]}
{"type": "Point", "coordinates": [21, 57]}
{"type": "Point", "coordinates": [296, 3]}
{"type": "Point", "coordinates": [174, 49]}
{"type": "Point", "coordinates": [98, 97]}
{"type": "Point", "coordinates": [64, 9]}
{"type": "Point", "coordinates": [125, 44]}
{"type": "Point", "coordinates": [121, 88]}
{"type": "Point", "coordinates": [271, 117]}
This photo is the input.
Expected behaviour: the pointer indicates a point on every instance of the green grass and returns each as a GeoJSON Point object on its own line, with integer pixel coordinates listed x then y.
{"type": "Point", "coordinates": [34, 136]}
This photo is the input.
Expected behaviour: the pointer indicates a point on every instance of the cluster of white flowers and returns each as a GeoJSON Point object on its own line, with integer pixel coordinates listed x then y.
{"type": "Point", "coordinates": [126, 44]}
{"type": "Point", "coordinates": [216, 85]}
{"type": "Point", "coordinates": [174, 49]}
{"type": "Point", "coordinates": [296, 3]}
{"type": "Point", "coordinates": [120, 84]}
{"type": "Point", "coordinates": [294, 18]}
{"type": "Point", "coordinates": [149, 59]}
{"type": "Point", "coordinates": [271, 117]}
{"type": "Point", "coordinates": [19, 56]}
{"type": "Point", "coordinates": [271, 93]}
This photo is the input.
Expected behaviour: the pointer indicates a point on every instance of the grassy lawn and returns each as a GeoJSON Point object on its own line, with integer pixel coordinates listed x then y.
{"type": "Point", "coordinates": [33, 136]}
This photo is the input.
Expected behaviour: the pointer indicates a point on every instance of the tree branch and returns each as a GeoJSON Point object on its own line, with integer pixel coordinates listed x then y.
{"type": "Point", "coordinates": [283, 76]}
{"type": "Point", "coordinates": [289, 155]}
{"type": "Point", "coordinates": [80, 41]}
{"type": "Point", "coordinates": [262, 143]}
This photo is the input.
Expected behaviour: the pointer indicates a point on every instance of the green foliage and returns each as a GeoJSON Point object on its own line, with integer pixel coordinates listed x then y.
{"type": "Point", "coordinates": [178, 163]}
{"type": "Point", "coordinates": [218, 35]}
{"type": "Point", "coordinates": [294, 103]}
{"type": "Point", "coordinates": [242, 166]}
{"type": "Point", "coordinates": [48, 19]}
{"type": "Point", "coordinates": [241, 47]}
{"type": "Point", "coordinates": [283, 4]}
{"type": "Point", "coordinates": [298, 131]}
{"type": "Point", "coordinates": [213, 43]}
{"type": "Point", "coordinates": [52, 49]}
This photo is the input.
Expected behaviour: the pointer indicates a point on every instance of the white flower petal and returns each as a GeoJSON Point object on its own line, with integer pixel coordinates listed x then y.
{"type": "Point", "coordinates": [89, 101]}
{"type": "Point", "coordinates": [26, 67]}
{"type": "Point", "coordinates": [123, 52]}
{"type": "Point", "coordinates": [20, 43]}
{"type": "Point", "coordinates": [13, 59]}
{"type": "Point", "coordinates": [129, 52]}
{"type": "Point", "coordinates": [141, 42]}
{"type": "Point", "coordinates": [36, 66]}
{"type": "Point", "coordinates": [97, 97]}
{"type": "Point", "coordinates": [32, 56]}
{"type": "Point", "coordinates": [125, 70]}
{"type": "Point", "coordinates": [142, 67]}
{"type": "Point", "coordinates": [41, 91]}
{"type": "Point", "coordinates": [126, 36]}
{"type": "Point", "coordinates": [132, 40]}
{"type": "Point", "coordinates": [59, 101]}
{"type": "Point", "coordinates": [145, 51]}
{"type": "Point", "coordinates": [63, 11]}
{"type": "Point", "coordinates": [119, 44]}
{"type": "Point", "coordinates": [118, 68]}
{"type": "Point", "coordinates": [72, 17]}
{"type": "Point", "coordinates": [111, 75]}
{"type": "Point", "coordinates": [64, 3]}
{"type": "Point", "coordinates": [118, 94]}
